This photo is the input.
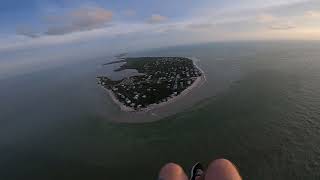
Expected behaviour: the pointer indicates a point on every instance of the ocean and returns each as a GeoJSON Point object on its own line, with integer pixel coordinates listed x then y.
{"type": "Point", "coordinates": [259, 108]}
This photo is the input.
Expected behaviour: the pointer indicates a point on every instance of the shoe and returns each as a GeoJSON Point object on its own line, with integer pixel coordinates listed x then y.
{"type": "Point", "coordinates": [196, 171]}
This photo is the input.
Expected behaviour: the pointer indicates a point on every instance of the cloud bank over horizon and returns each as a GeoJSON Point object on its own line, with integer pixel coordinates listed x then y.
{"type": "Point", "coordinates": [124, 25]}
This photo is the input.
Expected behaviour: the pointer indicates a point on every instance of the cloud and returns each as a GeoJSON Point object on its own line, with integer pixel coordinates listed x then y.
{"type": "Point", "coordinates": [78, 20]}
{"type": "Point", "coordinates": [88, 24]}
{"type": "Point", "coordinates": [275, 22]}
{"type": "Point", "coordinates": [312, 14]}
{"type": "Point", "coordinates": [25, 31]}
{"type": "Point", "coordinates": [201, 26]}
{"type": "Point", "coordinates": [266, 18]}
{"type": "Point", "coordinates": [283, 26]}
{"type": "Point", "coordinates": [156, 18]}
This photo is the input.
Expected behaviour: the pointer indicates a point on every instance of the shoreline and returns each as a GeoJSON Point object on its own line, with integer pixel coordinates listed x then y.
{"type": "Point", "coordinates": [197, 83]}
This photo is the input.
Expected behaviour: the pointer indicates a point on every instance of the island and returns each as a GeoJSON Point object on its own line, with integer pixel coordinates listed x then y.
{"type": "Point", "coordinates": [160, 80]}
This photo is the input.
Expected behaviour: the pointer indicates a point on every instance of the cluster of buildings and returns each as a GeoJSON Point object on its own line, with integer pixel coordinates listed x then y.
{"type": "Point", "coordinates": [164, 78]}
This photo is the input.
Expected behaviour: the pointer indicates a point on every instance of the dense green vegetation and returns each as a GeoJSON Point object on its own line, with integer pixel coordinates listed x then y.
{"type": "Point", "coordinates": [163, 78]}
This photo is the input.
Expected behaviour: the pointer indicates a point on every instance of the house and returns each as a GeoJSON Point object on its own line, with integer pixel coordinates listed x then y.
{"type": "Point", "coordinates": [136, 97]}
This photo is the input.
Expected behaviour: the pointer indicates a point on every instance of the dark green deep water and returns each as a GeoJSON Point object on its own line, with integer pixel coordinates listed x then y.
{"type": "Point", "coordinates": [260, 108]}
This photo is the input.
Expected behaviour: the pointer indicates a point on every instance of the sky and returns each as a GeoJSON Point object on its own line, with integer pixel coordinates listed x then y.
{"type": "Point", "coordinates": [121, 25]}
{"type": "Point", "coordinates": [40, 35]}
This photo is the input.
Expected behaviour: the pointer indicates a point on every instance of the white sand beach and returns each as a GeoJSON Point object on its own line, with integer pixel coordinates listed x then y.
{"type": "Point", "coordinates": [197, 83]}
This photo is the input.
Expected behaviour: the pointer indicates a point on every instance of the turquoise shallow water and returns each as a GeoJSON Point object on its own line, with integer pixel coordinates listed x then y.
{"type": "Point", "coordinates": [259, 108]}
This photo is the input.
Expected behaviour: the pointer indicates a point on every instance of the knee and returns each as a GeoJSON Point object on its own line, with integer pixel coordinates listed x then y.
{"type": "Point", "coordinates": [222, 169]}
{"type": "Point", "coordinates": [172, 167]}
{"type": "Point", "coordinates": [172, 171]}
{"type": "Point", "coordinates": [221, 163]}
